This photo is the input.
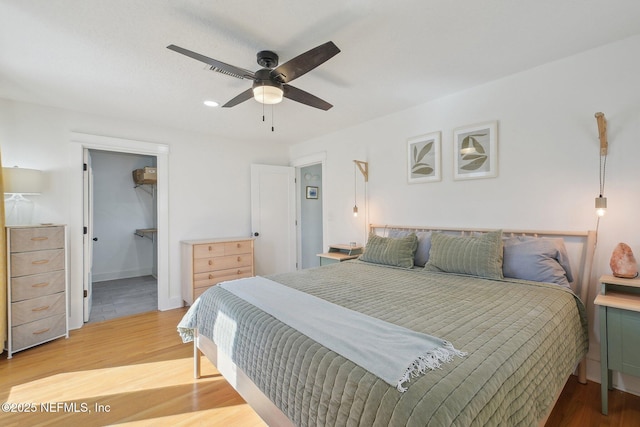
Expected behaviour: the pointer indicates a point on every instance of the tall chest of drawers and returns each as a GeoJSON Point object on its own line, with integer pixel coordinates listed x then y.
{"type": "Point", "coordinates": [36, 286]}
{"type": "Point", "coordinates": [207, 262]}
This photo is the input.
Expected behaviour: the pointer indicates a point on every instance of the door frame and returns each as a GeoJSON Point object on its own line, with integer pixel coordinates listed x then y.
{"type": "Point", "coordinates": [167, 297]}
{"type": "Point", "coordinates": [87, 221]}
{"type": "Point", "coordinates": [312, 159]}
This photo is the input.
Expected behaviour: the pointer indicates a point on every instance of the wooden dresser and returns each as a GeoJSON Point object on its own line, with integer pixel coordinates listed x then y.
{"type": "Point", "coordinates": [207, 262]}
{"type": "Point", "coordinates": [37, 286]}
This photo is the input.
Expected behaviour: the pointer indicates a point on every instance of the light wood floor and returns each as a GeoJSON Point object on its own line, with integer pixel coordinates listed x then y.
{"type": "Point", "coordinates": [135, 371]}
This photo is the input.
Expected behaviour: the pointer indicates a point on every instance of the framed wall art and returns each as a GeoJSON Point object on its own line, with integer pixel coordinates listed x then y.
{"type": "Point", "coordinates": [312, 192]}
{"type": "Point", "coordinates": [423, 156]}
{"type": "Point", "coordinates": [475, 151]}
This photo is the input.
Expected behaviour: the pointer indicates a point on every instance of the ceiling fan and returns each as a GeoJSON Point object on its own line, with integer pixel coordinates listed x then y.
{"type": "Point", "coordinates": [271, 82]}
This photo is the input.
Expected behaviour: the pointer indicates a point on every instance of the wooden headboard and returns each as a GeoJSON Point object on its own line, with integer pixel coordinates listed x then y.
{"type": "Point", "coordinates": [580, 247]}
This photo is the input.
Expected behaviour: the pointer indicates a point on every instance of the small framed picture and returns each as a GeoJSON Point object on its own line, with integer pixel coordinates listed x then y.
{"type": "Point", "coordinates": [312, 192]}
{"type": "Point", "coordinates": [423, 156]}
{"type": "Point", "coordinates": [475, 151]}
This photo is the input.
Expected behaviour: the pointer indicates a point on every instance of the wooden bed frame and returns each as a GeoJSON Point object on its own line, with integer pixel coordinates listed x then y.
{"type": "Point", "coordinates": [580, 246]}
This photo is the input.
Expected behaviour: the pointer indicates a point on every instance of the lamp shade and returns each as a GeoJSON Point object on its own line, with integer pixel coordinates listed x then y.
{"type": "Point", "coordinates": [22, 181]}
{"type": "Point", "coordinates": [267, 94]}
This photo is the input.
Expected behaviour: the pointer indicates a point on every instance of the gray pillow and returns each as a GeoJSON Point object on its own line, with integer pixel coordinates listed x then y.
{"type": "Point", "coordinates": [537, 259]}
{"type": "Point", "coordinates": [424, 244]}
{"type": "Point", "coordinates": [473, 255]}
{"type": "Point", "coordinates": [397, 252]}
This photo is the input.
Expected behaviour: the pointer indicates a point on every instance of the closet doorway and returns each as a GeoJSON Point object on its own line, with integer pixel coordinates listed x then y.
{"type": "Point", "coordinates": [311, 209]}
{"type": "Point", "coordinates": [311, 198]}
{"type": "Point", "coordinates": [122, 219]}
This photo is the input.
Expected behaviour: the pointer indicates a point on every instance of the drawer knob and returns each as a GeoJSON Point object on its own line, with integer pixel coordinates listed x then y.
{"type": "Point", "coordinates": [39, 239]}
{"type": "Point", "coordinates": [41, 331]}
{"type": "Point", "coordinates": [239, 272]}
{"type": "Point", "coordinates": [239, 259]}
{"type": "Point", "coordinates": [210, 248]}
{"type": "Point", "coordinates": [40, 262]}
{"type": "Point", "coordinates": [238, 245]}
{"type": "Point", "coordinates": [210, 262]}
{"type": "Point", "coordinates": [210, 276]}
{"type": "Point", "coordinates": [40, 285]}
{"type": "Point", "coordinates": [43, 308]}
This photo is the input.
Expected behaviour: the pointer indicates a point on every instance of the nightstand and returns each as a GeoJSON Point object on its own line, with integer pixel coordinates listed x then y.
{"type": "Point", "coordinates": [339, 253]}
{"type": "Point", "coordinates": [619, 302]}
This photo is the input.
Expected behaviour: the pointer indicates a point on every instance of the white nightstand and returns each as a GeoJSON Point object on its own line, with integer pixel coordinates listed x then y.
{"type": "Point", "coordinates": [339, 253]}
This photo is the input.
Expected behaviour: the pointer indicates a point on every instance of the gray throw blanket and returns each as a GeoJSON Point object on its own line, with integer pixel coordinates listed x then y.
{"type": "Point", "coordinates": [391, 352]}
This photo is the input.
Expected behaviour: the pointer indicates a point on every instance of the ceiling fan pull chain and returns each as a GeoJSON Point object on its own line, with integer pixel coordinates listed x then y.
{"type": "Point", "coordinates": [272, 112]}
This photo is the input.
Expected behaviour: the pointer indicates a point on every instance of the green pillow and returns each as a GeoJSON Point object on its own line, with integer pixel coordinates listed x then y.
{"type": "Point", "coordinates": [473, 255]}
{"type": "Point", "coordinates": [397, 252]}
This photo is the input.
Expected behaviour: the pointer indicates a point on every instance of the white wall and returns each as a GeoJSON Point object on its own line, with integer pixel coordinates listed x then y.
{"type": "Point", "coordinates": [548, 160]}
{"type": "Point", "coordinates": [208, 188]}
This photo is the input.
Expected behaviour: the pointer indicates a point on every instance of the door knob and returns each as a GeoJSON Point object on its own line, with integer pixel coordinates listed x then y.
{"type": "Point", "coordinates": [95, 239]}
{"type": "Point", "coordinates": [256, 234]}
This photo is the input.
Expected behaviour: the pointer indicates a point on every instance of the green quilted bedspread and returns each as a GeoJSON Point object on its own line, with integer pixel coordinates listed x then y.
{"type": "Point", "coordinates": [523, 339]}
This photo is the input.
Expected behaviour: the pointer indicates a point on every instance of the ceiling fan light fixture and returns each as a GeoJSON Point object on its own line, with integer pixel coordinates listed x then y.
{"type": "Point", "coordinates": [267, 94]}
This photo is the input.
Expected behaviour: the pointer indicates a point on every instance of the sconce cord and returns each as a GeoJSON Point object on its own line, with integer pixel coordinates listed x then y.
{"type": "Point", "coordinates": [603, 168]}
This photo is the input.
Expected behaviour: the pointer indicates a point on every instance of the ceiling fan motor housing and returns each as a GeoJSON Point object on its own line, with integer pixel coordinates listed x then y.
{"type": "Point", "coordinates": [263, 78]}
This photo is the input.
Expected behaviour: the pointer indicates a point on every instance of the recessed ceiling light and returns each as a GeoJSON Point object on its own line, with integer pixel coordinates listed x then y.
{"type": "Point", "coordinates": [211, 103]}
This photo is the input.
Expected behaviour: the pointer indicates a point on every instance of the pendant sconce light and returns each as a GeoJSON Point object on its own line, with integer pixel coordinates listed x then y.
{"type": "Point", "coordinates": [601, 202]}
{"type": "Point", "coordinates": [364, 169]}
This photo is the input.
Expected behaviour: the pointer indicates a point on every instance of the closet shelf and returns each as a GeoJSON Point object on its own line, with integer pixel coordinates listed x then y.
{"type": "Point", "coordinates": [149, 233]}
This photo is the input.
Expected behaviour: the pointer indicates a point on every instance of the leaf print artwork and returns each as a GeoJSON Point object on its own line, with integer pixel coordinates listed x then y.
{"type": "Point", "coordinates": [423, 158]}
{"type": "Point", "coordinates": [472, 150]}
{"type": "Point", "coordinates": [476, 151]}
{"type": "Point", "coordinates": [418, 167]}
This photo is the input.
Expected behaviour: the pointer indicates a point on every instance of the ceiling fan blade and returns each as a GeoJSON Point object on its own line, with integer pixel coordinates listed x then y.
{"type": "Point", "coordinates": [303, 97]}
{"type": "Point", "coordinates": [244, 96]}
{"type": "Point", "coordinates": [304, 63]}
{"type": "Point", "coordinates": [216, 65]}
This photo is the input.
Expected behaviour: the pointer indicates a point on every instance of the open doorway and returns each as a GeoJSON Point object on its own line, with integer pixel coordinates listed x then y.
{"type": "Point", "coordinates": [311, 209]}
{"type": "Point", "coordinates": [122, 217]}
{"type": "Point", "coordinates": [311, 200]}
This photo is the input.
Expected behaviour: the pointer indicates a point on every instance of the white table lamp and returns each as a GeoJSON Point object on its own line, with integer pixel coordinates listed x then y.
{"type": "Point", "coordinates": [19, 182]}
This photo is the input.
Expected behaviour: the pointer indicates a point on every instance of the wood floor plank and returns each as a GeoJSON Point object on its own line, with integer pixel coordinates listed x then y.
{"type": "Point", "coordinates": [135, 371]}
{"type": "Point", "coordinates": [130, 371]}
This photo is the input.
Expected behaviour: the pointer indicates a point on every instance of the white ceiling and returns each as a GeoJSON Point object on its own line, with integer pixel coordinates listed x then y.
{"type": "Point", "coordinates": [109, 57]}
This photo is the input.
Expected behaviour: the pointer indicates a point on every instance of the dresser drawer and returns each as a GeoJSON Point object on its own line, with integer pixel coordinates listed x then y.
{"type": "Point", "coordinates": [221, 263]}
{"type": "Point", "coordinates": [37, 332]}
{"type": "Point", "coordinates": [37, 308]}
{"type": "Point", "coordinates": [25, 263]}
{"type": "Point", "coordinates": [214, 277]}
{"type": "Point", "coordinates": [208, 251]}
{"type": "Point", "coordinates": [36, 239]}
{"type": "Point", "coordinates": [37, 285]}
{"type": "Point", "coordinates": [241, 247]}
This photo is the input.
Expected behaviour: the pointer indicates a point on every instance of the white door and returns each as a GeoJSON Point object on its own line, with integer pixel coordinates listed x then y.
{"type": "Point", "coordinates": [87, 238]}
{"type": "Point", "coordinates": [273, 218]}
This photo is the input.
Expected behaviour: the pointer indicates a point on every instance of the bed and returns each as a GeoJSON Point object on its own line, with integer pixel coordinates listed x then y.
{"type": "Point", "coordinates": [517, 339]}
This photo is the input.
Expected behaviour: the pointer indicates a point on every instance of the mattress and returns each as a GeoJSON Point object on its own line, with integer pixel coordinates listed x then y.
{"type": "Point", "coordinates": [522, 338]}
